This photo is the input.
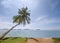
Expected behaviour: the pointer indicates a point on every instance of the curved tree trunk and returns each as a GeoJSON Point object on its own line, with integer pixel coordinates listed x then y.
{"type": "Point", "coordinates": [8, 32]}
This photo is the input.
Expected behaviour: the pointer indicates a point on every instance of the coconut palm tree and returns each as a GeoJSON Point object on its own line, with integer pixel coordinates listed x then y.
{"type": "Point", "coordinates": [23, 17]}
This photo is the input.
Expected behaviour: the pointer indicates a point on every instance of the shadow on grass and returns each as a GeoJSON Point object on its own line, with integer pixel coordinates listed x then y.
{"type": "Point", "coordinates": [5, 38]}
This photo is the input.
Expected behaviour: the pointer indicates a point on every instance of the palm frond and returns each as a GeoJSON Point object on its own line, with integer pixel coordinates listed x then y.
{"type": "Point", "coordinates": [28, 14]}
{"type": "Point", "coordinates": [15, 18]}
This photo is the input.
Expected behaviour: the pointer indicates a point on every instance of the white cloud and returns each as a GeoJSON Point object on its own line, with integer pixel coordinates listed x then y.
{"type": "Point", "coordinates": [4, 23]}
{"type": "Point", "coordinates": [41, 18]}
{"type": "Point", "coordinates": [46, 23]}
{"type": "Point", "coordinates": [50, 28]}
{"type": "Point", "coordinates": [20, 3]}
{"type": "Point", "coordinates": [46, 20]}
{"type": "Point", "coordinates": [30, 26]}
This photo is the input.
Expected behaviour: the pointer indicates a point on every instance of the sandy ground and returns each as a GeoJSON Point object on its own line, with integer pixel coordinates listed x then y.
{"type": "Point", "coordinates": [41, 40]}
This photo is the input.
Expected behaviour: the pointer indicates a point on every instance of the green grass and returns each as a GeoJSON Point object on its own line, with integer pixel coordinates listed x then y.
{"type": "Point", "coordinates": [56, 40]}
{"type": "Point", "coordinates": [13, 40]}
{"type": "Point", "coordinates": [21, 40]}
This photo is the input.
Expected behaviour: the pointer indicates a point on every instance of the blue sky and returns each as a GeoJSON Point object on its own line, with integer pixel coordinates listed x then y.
{"type": "Point", "coordinates": [45, 14]}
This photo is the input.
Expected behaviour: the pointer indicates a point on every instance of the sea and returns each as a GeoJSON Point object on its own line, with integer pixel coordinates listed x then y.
{"type": "Point", "coordinates": [31, 33]}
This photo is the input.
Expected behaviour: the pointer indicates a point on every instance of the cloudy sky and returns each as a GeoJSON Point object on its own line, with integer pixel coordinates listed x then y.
{"type": "Point", "coordinates": [45, 14]}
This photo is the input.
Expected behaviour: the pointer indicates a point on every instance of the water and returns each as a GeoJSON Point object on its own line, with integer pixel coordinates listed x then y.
{"type": "Point", "coordinates": [32, 33]}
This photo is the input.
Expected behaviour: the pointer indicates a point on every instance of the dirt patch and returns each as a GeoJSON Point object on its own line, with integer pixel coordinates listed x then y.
{"type": "Point", "coordinates": [41, 40]}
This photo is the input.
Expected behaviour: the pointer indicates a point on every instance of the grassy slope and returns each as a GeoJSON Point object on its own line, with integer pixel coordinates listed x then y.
{"type": "Point", "coordinates": [56, 40]}
{"type": "Point", "coordinates": [14, 40]}
{"type": "Point", "coordinates": [21, 40]}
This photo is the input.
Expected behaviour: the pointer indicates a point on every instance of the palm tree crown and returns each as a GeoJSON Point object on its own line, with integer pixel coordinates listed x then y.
{"type": "Point", "coordinates": [23, 16]}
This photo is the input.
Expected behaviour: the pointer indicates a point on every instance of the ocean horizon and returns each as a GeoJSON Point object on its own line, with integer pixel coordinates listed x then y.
{"type": "Point", "coordinates": [31, 33]}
